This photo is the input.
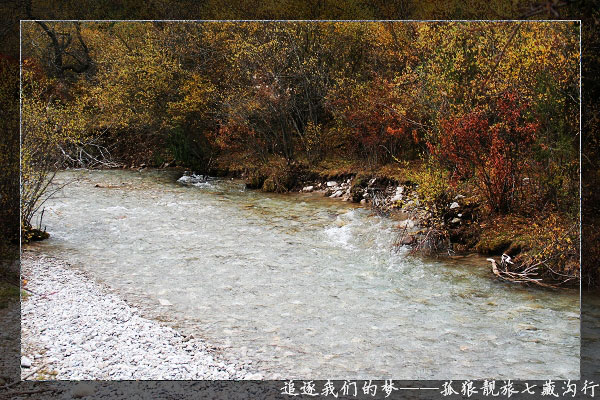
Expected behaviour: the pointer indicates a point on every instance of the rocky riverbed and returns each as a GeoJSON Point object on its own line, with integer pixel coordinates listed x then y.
{"type": "Point", "coordinates": [74, 328]}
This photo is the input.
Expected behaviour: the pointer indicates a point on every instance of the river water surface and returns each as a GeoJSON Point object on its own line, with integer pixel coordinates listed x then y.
{"type": "Point", "coordinates": [306, 286]}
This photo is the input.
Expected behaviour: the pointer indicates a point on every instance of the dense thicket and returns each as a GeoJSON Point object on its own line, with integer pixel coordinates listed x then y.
{"type": "Point", "coordinates": [491, 102]}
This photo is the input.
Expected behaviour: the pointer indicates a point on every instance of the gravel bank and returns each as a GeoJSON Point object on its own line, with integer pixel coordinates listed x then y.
{"type": "Point", "coordinates": [75, 329]}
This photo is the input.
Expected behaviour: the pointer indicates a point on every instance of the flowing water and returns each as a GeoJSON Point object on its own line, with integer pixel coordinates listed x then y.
{"type": "Point", "coordinates": [306, 286]}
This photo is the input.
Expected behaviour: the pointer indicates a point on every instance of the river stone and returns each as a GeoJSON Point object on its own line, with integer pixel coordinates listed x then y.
{"type": "Point", "coordinates": [187, 179]}
{"type": "Point", "coordinates": [526, 327]}
{"type": "Point", "coordinates": [331, 184]}
{"type": "Point", "coordinates": [25, 362]}
{"type": "Point", "coordinates": [397, 197]}
{"type": "Point", "coordinates": [337, 194]}
{"type": "Point", "coordinates": [454, 205]}
{"type": "Point", "coordinates": [308, 188]}
{"type": "Point", "coordinates": [455, 221]}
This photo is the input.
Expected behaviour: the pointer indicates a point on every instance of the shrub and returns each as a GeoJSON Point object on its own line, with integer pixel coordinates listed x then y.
{"type": "Point", "coordinates": [491, 144]}
{"type": "Point", "coordinates": [432, 183]}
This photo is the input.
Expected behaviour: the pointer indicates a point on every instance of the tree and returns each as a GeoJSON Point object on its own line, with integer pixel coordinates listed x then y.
{"type": "Point", "coordinates": [50, 125]}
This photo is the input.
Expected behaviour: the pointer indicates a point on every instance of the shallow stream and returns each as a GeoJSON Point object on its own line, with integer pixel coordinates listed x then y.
{"type": "Point", "coordinates": [306, 286]}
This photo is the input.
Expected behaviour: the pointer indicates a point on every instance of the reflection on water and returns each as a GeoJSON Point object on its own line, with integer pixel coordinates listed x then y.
{"type": "Point", "coordinates": [307, 286]}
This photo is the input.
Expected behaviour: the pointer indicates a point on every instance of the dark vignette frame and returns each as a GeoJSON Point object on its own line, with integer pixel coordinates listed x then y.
{"type": "Point", "coordinates": [188, 9]}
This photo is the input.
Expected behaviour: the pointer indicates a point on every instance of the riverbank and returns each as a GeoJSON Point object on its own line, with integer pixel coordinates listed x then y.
{"type": "Point", "coordinates": [75, 329]}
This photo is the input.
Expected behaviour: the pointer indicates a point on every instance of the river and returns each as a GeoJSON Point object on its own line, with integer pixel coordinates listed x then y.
{"type": "Point", "coordinates": [303, 285]}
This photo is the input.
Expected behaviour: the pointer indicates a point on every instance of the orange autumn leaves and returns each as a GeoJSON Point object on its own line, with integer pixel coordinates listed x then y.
{"type": "Point", "coordinates": [373, 92]}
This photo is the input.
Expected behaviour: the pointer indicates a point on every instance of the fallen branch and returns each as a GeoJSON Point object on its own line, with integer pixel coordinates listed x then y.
{"type": "Point", "coordinates": [526, 276]}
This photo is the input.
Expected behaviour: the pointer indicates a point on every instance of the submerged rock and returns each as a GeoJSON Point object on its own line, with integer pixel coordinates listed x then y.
{"type": "Point", "coordinates": [165, 302]}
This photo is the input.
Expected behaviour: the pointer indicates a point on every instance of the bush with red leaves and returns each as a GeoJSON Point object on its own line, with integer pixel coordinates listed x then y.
{"type": "Point", "coordinates": [492, 145]}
